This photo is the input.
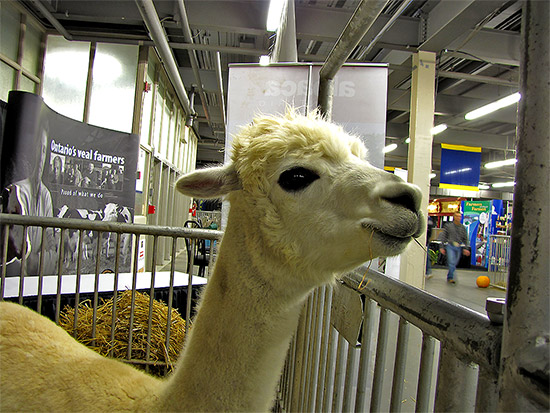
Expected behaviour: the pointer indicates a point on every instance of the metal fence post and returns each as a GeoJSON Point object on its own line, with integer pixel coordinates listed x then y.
{"type": "Point", "coordinates": [456, 380]}
{"type": "Point", "coordinates": [524, 384]}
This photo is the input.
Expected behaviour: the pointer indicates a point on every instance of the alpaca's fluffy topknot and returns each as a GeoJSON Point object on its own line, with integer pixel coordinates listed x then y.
{"type": "Point", "coordinates": [291, 135]}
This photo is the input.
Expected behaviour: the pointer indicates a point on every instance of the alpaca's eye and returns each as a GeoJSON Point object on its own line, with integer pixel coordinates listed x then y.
{"type": "Point", "coordinates": [296, 179]}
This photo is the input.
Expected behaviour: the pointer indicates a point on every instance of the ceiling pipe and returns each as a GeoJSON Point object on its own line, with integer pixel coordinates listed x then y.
{"type": "Point", "coordinates": [477, 78]}
{"type": "Point", "coordinates": [220, 87]}
{"type": "Point", "coordinates": [158, 35]}
{"type": "Point", "coordinates": [50, 17]}
{"type": "Point", "coordinates": [285, 49]}
{"type": "Point", "coordinates": [359, 24]}
{"type": "Point", "coordinates": [188, 37]}
{"type": "Point", "coordinates": [386, 27]}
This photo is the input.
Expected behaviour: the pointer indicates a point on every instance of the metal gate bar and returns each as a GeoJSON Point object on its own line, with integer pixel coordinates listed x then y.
{"type": "Point", "coordinates": [345, 378]}
{"type": "Point", "coordinates": [117, 232]}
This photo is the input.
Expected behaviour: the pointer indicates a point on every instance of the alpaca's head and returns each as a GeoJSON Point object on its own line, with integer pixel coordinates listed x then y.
{"type": "Point", "coordinates": [318, 203]}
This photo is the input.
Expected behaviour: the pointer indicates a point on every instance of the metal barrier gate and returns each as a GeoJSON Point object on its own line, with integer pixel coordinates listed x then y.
{"type": "Point", "coordinates": [499, 259]}
{"type": "Point", "coordinates": [389, 347]}
{"type": "Point", "coordinates": [163, 283]}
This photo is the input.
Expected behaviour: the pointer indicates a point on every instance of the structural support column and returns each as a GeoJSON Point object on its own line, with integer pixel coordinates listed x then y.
{"type": "Point", "coordinates": [285, 49]}
{"type": "Point", "coordinates": [419, 164]}
{"type": "Point", "coordinates": [524, 379]}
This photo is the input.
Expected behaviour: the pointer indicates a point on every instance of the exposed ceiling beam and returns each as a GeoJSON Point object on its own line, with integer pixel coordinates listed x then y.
{"type": "Point", "coordinates": [450, 19]}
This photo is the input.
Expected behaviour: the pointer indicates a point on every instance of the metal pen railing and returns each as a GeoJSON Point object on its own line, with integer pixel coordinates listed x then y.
{"type": "Point", "coordinates": [445, 355]}
{"type": "Point", "coordinates": [34, 289]}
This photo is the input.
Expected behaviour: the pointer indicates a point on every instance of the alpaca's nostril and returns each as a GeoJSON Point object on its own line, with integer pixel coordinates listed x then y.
{"type": "Point", "coordinates": [406, 200]}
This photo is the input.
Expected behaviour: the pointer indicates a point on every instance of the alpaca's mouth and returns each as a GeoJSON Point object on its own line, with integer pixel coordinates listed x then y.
{"type": "Point", "coordinates": [394, 234]}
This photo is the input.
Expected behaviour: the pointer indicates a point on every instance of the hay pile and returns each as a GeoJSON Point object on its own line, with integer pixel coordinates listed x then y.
{"type": "Point", "coordinates": [103, 345]}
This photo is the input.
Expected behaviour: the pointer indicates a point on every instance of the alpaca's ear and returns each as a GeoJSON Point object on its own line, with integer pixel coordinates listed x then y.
{"type": "Point", "coordinates": [209, 182]}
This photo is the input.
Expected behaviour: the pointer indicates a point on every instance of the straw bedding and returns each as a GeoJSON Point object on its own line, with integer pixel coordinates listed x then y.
{"type": "Point", "coordinates": [159, 353]}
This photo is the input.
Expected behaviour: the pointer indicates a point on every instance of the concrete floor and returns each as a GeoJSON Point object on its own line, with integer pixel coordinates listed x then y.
{"type": "Point", "coordinates": [465, 292]}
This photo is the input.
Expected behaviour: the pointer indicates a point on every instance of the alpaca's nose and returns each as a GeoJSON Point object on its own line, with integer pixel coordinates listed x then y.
{"type": "Point", "coordinates": [402, 194]}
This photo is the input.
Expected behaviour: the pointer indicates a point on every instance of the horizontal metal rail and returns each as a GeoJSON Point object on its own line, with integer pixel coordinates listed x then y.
{"type": "Point", "coordinates": [469, 333]}
{"type": "Point", "coordinates": [50, 292]}
{"type": "Point", "coordinates": [105, 226]}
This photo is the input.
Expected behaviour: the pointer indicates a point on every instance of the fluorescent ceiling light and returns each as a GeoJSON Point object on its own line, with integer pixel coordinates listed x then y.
{"type": "Point", "coordinates": [274, 15]}
{"type": "Point", "coordinates": [389, 148]}
{"type": "Point", "coordinates": [492, 107]}
{"type": "Point", "coordinates": [498, 164]}
{"type": "Point", "coordinates": [408, 140]}
{"type": "Point", "coordinates": [457, 171]}
{"type": "Point", "coordinates": [438, 129]}
{"type": "Point", "coordinates": [264, 60]}
{"type": "Point", "coordinates": [432, 175]}
{"type": "Point", "coordinates": [483, 186]}
{"type": "Point", "coordinates": [503, 184]}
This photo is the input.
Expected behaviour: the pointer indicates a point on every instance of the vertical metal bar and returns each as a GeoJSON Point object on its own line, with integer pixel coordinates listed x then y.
{"type": "Point", "coordinates": [292, 371]}
{"type": "Point", "coordinates": [132, 303]}
{"type": "Point", "coordinates": [425, 374]}
{"type": "Point", "coordinates": [364, 358]}
{"type": "Point", "coordinates": [305, 357]}
{"type": "Point", "coordinates": [59, 276]}
{"type": "Point", "coordinates": [77, 282]}
{"type": "Point", "coordinates": [4, 260]}
{"type": "Point", "coordinates": [350, 379]}
{"type": "Point", "coordinates": [315, 365]}
{"type": "Point", "coordinates": [41, 272]}
{"type": "Point", "coordinates": [23, 264]}
{"type": "Point", "coordinates": [324, 347]}
{"type": "Point", "coordinates": [399, 366]}
{"type": "Point", "coordinates": [115, 298]}
{"type": "Point", "coordinates": [455, 379]}
{"type": "Point", "coordinates": [151, 299]}
{"type": "Point", "coordinates": [171, 295]}
{"type": "Point", "coordinates": [312, 362]}
{"type": "Point", "coordinates": [189, 289]}
{"type": "Point", "coordinates": [299, 360]}
{"type": "Point", "coordinates": [487, 391]}
{"type": "Point", "coordinates": [338, 392]}
{"type": "Point", "coordinates": [331, 366]}
{"type": "Point", "coordinates": [96, 286]}
{"type": "Point", "coordinates": [525, 357]}
{"type": "Point", "coordinates": [191, 262]}
{"type": "Point", "coordinates": [378, 378]}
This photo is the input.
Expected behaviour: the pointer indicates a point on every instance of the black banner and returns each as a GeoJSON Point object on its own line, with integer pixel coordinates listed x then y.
{"type": "Point", "coordinates": [56, 166]}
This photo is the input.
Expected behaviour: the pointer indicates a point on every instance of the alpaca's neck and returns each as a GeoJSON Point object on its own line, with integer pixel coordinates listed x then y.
{"type": "Point", "coordinates": [237, 345]}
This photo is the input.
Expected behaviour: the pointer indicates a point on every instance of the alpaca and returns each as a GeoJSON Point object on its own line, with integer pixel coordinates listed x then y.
{"type": "Point", "coordinates": [305, 206]}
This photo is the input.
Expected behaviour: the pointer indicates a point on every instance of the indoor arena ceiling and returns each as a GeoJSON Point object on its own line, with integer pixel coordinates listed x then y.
{"type": "Point", "coordinates": [477, 44]}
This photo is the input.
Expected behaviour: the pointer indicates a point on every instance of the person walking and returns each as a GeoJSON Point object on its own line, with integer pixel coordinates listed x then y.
{"type": "Point", "coordinates": [429, 231]}
{"type": "Point", "coordinates": [455, 241]}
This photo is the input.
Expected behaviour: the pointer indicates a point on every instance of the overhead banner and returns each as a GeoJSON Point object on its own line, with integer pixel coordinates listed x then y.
{"type": "Point", "coordinates": [54, 166]}
{"type": "Point", "coordinates": [460, 167]}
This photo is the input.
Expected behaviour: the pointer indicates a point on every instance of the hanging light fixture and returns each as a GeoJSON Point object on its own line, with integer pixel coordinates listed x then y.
{"type": "Point", "coordinates": [389, 148]}
{"type": "Point", "coordinates": [438, 129]}
{"type": "Point", "coordinates": [498, 164]}
{"type": "Point", "coordinates": [274, 15]}
{"type": "Point", "coordinates": [494, 106]}
{"type": "Point", "coordinates": [503, 184]}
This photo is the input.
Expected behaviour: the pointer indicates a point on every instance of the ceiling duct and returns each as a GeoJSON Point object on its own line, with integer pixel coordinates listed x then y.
{"type": "Point", "coordinates": [55, 23]}
{"type": "Point", "coordinates": [358, 25]}
{"type": "Point", "coordinates": [188, 37]}
{"type": "Point", "coordinates": [158, 35]}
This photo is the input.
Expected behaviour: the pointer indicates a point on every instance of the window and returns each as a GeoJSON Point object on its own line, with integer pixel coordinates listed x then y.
{"type": "Point", "coordinates": [65, 74]}
{"type": "Point", "coordinates": [113, 86]}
